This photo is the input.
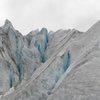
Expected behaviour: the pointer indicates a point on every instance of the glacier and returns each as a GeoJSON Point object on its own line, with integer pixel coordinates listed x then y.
{"type": "Point", "coordinates": [43, 65]}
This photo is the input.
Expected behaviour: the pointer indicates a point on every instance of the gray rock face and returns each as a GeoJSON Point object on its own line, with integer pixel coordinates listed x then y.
{"type": "Point", "coordinates": [46, 65]}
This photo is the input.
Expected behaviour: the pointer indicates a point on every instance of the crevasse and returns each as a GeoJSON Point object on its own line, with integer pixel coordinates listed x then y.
{"type": "Point", "coordinates": [66, 60]}
{"type": "Point", "coordinates": [18, 60]}
{"type": "Point", "coordinates": [42, 47]}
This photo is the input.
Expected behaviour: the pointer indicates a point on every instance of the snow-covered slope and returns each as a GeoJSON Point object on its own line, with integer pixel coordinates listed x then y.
{"type": "Point", "coordinates": [46, 65]}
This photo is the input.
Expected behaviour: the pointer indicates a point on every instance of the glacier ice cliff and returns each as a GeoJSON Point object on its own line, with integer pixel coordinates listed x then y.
{"type": "Point", "coordinates": [43, 65]}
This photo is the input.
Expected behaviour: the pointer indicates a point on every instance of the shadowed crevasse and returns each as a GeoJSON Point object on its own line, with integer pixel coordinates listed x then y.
{"type": "Point", "coordinates": [66, 60]}
{"type": "Point", "coordinates": [42, 46]}
{"type": "Point", "coordinates": [18, 59]}
{"type": "Point", "coordinates": [63, 67]}
{"type": "Point", "coordinates": [11, 75]}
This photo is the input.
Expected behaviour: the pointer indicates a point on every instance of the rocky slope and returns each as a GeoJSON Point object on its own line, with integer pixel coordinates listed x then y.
{"type": "Point", "coordinates": [46, 65]}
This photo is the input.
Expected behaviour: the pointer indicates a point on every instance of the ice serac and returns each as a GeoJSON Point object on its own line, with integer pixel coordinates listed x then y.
{"type": "Point", "coordinates": [46, 65]}
{"type": "Point", "coordinates": [19, 56]}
